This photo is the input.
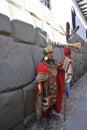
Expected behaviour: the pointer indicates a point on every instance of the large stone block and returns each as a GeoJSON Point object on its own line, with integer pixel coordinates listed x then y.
{"type": "Point", "coordinates": [81, 68]}
{"type": "Point", "coordinates": [23, 32]}
{"type": "Point", "coordinates": [47, 28]}
{"type": "Point", "coordinates": [5, 25]}
{"type": "Point", "coordinates": [16, 65]}
{"type": "Point", "coordinates": [5, 39]}
{"type": "Point", "coordinates": [75, 56]}
{"type": "Point", "coordinates": [11, 109]}
{"type": "Point", "coordinates": [22, 25]}
{"type": "Point", "coordinates": [37, 55]}
{"type": "Point", "coordinates": [18, 127]}
{"type": "Point", "coordinates": [40, 39]}
{"type": "Point", "coordinates": [29, 95]}
{"type": "Point", "coordinates": [58, 55]}
{"type": "Point", "coordinates": [78, 70]}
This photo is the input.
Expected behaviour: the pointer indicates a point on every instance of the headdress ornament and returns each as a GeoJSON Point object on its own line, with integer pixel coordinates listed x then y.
{"type": "Point", "coordinates": [67, 51]}
{"type": "Point", "coordinates": [48, 49]}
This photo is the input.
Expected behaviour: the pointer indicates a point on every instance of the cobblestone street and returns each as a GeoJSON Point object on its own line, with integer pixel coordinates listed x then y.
{"type": "Point", "coordinates": [55, 123]}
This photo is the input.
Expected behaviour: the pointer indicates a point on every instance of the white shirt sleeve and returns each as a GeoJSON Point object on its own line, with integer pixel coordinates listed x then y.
{"type": "Point", "coordinates": [68, 69]}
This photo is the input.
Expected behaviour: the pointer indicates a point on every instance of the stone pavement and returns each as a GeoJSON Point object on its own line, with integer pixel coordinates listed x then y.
{"type": "Point", "coordinates": [78, 118]}
{"type": "Point", "coordinates": [76, 111]}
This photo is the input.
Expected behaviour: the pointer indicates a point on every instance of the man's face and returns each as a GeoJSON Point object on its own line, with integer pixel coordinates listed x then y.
{"type": "Point", "coordinates": [50, 55]}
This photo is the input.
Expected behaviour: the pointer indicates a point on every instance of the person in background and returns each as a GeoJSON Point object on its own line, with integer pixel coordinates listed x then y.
{"type": "Point", "coordinates": [68, 67]}
{"type": "Point", "coordinates": [49, 88]}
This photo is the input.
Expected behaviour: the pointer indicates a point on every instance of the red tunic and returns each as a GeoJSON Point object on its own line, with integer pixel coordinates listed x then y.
{"type": "Point", "coordinates": [60, 87]}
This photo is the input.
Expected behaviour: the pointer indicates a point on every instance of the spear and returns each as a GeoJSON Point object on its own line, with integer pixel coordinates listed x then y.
{"type": "Point", "coordinates": [75, 45]}
{"type": "Point", "coordinates": [67, 40]}
{"type": "Point", "coordinates": [69, 37]}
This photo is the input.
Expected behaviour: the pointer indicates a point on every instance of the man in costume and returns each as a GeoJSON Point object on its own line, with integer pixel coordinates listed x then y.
{"type": "Point", "coordinates": [68, 67]}
{"type": "Point", "coordinates": [49, 85]}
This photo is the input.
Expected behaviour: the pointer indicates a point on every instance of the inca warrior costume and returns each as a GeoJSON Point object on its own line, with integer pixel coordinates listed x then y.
{"type": "Point", "coordinates": [50, 84]}
{"type": "Point", "coordinates": [50, 80]}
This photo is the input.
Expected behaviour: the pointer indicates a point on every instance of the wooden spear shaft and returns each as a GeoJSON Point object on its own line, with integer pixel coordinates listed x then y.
{"type": "Point", "coordinates": [64, 102]}
{"type": "Point", "coordinates": [67, 39]}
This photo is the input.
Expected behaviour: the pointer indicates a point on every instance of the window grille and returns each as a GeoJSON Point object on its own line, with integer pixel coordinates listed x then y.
{"type": "Point", "coordinates": [46, 3]}
{"type": "Point", "coordinates": [73, 18]}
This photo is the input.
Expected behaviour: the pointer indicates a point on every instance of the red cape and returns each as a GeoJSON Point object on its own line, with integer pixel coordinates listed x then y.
{"type": "Point", "coordinates": [60, 78]}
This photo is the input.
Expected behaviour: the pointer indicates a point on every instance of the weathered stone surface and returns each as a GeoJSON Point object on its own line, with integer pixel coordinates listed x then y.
{"type": "Point", "coordinates": [36, 56]}
{"type": "Point", "coordinates": [18, 127]}
{"type": "Point", "coordinates": [5, 39]}
{"type": "Point", "coordinates": [74, 124]}
{"type": "Point", "coordinates": [22, 25]}
{"type": "Point", "coordinates": [29, 95]}
{"type": "Point", "coordinates": [5, 25]}
{"type": "Point", "coordinates": [23, 32]}
{"type": "Point", "coordinates": [40, 39]}
{"type": "Point", "coordinates": [11, 109]}
{"type": "Point", "coordinates": [58, 54]}
{"type": "Point", "coordinates": [16, 65]}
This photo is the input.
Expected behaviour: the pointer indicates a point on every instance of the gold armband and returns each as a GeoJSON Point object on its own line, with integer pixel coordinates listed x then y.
{"type": "Point", "coordinates": [39, 87]}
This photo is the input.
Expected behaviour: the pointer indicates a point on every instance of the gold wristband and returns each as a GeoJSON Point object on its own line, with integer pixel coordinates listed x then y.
{"type": "Point", "coordinates": [39, 86]}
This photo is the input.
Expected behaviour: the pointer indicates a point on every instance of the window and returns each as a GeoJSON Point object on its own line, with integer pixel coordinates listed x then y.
{"type": "Point", "coordinates": [86, 33]}
{"type": "Point", "coordinates": [73, 18]}
{"type": "Point", "coordinates": [46, 3]}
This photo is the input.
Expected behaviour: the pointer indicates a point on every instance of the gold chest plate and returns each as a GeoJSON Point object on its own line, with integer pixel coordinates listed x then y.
{"type": "Point", "coordinates": [53, 72]}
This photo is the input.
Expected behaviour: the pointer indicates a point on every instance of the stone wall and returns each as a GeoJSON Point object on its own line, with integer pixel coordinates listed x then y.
{"type": "Point", "coordinates": [20, 52]}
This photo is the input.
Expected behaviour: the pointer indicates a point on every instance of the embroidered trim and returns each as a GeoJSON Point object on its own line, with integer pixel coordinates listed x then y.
{"type": "Point", "coordinates": [42, 77]}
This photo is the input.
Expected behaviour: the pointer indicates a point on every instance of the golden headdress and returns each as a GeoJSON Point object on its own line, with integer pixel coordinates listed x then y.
{"type": "Point", "coordinates": [48, 49]}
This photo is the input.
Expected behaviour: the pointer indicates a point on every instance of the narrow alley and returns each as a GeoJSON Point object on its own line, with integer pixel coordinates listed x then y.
{"type": "Point", "coordinates": [76, 113]}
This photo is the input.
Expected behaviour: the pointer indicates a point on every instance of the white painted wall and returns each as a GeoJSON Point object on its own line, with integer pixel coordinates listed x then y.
{"type": "Point", "coordinates": [62, 9]}
{"type": "Point", "coordinates": [82, 30]}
